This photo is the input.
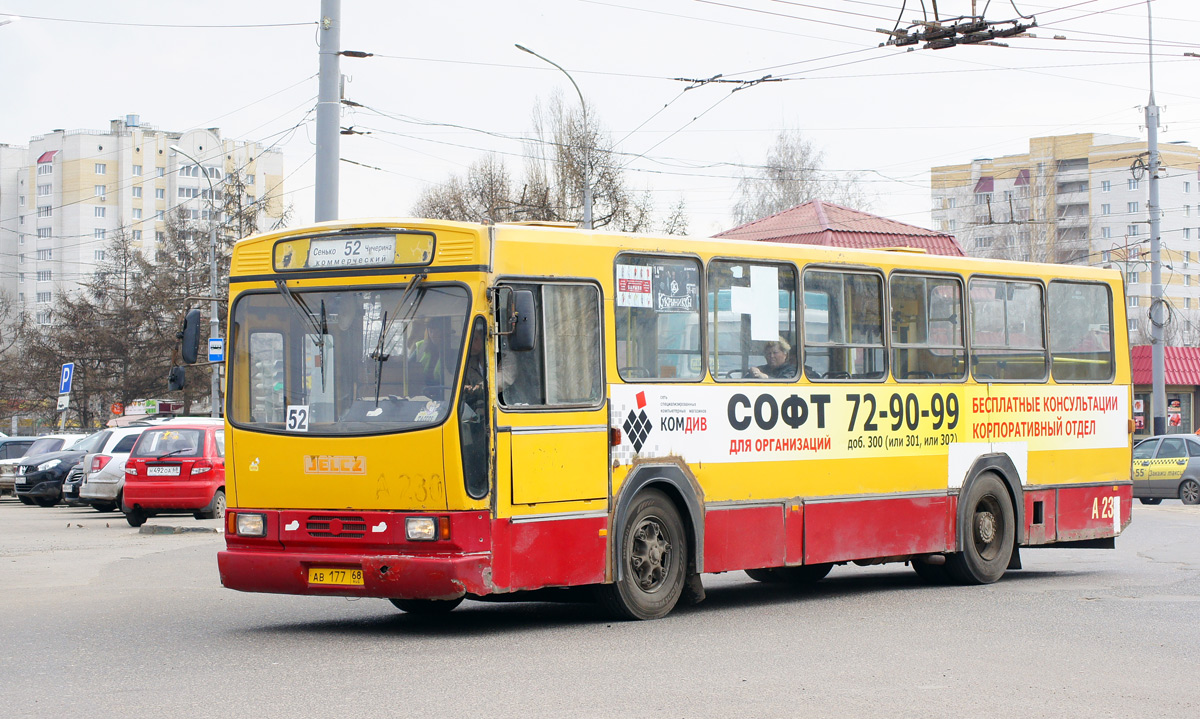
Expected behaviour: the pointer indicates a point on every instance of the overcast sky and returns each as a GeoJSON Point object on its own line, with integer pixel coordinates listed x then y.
{"type": "Point", "coordinates": [879, 111]}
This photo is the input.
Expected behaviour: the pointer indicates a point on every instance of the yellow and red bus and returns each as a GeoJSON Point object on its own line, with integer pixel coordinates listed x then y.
{"type": "Point", "coordinates": [424, 411]}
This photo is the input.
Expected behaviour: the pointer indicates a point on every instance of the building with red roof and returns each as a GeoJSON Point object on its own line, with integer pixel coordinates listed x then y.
{"type": "Point", "coordinates": [823, 223]}
{"type": "Point", "coordinates": [1182, 380]}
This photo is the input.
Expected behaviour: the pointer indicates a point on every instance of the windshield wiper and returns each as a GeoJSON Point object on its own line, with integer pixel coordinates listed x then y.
{"type": "Point", "coordinates": [320, 326]}
{"type": "Point", "coordinates": [385, 326]}
{"type": "Point", "coordinates": [175, 452]}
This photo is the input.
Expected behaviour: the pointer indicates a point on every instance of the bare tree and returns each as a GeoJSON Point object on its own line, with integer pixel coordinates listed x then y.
{"type": "Point", "coordinates": [561, 155]}
{"type": "Point", "coordinates": [677, 221]}
{"type": "Point", "coordinates": [792, 175]}
{"type": "Point", "coordinates": [119, 327]}
{"type": "Point", "coordinates": [485, 193]}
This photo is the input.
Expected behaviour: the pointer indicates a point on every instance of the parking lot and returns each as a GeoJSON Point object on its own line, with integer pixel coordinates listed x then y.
{"type": "Point", "coordinates": [99, 619]}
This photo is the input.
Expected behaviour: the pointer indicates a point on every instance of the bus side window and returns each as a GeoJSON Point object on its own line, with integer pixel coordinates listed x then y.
{"type": "Point", "coordinates": [1007, 341]}
{"type": "Point", "coordinates": [927, 328]}
{"type": "Point", "coordinates": [751, 312]}
{"type": "Point", "coordinates": [565, 366]}
{"type": "Point", "coordinates": [843, 325]}
{"type": "Point", "coordinates": [1081, 347]}
{"type": "Point", "coordinates": [657, 308]}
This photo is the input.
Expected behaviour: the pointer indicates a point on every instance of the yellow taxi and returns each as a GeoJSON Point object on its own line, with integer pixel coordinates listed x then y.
{"type": "Point", "coordinates": [1167, 467]}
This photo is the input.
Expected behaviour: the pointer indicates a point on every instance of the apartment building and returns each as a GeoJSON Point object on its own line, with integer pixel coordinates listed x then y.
{"type": "Point", "coordinates": [65, 194]}
{"type": "Point", "coordinates": [1082, 199]}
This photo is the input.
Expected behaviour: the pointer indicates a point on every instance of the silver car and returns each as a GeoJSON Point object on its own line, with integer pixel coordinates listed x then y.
{"type": "Point", "coordinates": [1166, 467]}
{"type": "Point", "coordinates": [104, 472]}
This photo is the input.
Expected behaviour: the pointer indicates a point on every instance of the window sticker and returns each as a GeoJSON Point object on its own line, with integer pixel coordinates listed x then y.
{"type": "Point", "coordinates": [633, 285]}
{"type": "Point", "coordinates": [430, 413]}
{"type": "Point", "coordinates": [676, 287]}
{"type": "Point", "coordinates": [761, 301]}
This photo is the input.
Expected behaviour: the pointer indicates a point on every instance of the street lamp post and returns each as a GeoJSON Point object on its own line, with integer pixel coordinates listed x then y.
{"type": "Point", "coordinates": [587, 147]}
{"type": "Point", "coordinates": [214, 322]}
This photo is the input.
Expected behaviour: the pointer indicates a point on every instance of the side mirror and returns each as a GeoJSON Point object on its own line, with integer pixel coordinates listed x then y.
{"type": "Point", "coordinates": [521, 337]}
{"type": "Point", "coordinates": [190, 335]}
{"type": "Point", "coordinates": [175, 379]}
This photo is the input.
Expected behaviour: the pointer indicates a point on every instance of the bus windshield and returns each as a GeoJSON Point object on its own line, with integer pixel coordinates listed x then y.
{"type": "Point", "coordinates": [346, 362]}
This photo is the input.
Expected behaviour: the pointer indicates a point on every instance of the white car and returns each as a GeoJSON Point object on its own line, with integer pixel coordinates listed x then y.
{"type": "Point", "coordinates": [44, 444]}
{"type": "Point", "coordinates": [104, 472]}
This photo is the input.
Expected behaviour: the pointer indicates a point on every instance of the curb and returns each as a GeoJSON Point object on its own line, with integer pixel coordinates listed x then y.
{"type": "Point", "coordinates": [165, 529]}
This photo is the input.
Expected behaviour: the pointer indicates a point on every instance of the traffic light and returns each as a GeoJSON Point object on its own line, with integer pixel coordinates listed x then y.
{"type": "Point", "coordinates": [175, 379]}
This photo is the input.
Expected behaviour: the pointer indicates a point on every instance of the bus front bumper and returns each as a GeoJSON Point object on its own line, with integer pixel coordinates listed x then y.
{"type": "Point", "coordinates": [391, 576]}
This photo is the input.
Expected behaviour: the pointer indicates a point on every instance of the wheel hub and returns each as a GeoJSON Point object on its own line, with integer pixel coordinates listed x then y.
{"type": "Point", "coordinates": [985, 527]}
{"type": "Point", "coordinates": [651, 554]}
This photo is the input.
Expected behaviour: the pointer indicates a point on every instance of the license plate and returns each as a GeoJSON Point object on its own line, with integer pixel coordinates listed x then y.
{"type": "Point", "coordinates": [342, 577]}
{"type": "Point", "coordinates": [162, 471]}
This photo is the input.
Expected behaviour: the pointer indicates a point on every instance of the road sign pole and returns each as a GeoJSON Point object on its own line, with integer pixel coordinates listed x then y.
{"type": "Point", "coordinates": [66, 377]}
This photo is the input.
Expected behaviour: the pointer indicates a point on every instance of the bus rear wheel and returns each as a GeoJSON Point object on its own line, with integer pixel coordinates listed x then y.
{"type": "Point", "coordinates": [805, 574]}
{"type": "Point", "coordinates": [988, 539]}
{"type": "Point", "coordinates": [426, 606]}
{"type": "Point", "coordinates": [653, 559]}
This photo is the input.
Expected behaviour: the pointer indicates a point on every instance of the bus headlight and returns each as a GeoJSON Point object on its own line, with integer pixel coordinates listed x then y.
{"type": "Point", "coordinates": [421, 529]}
{"type": "Point", "coordinates": [250, 524]}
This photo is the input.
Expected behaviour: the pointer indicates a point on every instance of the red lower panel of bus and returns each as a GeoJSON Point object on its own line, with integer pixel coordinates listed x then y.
{"type": "Point", "coordinates": [409, 577]}
{"type": "Point", "coordinates": [1092, 512]}
{"type": "Point", "coordinates": [484, 556]}
{"type": "Point", "coordinates": [845, 531]}
{"type": "Point", "coordinates": [479, 557]}
{"type": "Point", "coordinates": [744, 538]}
{"type": "Point", "coordinates": [1041, 513]}
{"type": "Point", "coordinates": [549, 553]}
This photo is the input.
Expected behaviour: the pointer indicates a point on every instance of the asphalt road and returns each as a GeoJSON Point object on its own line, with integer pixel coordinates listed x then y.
{"type": "Point", "coordinates": [98, 620]}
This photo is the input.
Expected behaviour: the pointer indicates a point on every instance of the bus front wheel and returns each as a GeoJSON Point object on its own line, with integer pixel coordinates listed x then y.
{"type": "Point", "coordinates": [988, 536]}
{"type": "Point", "coordinates": [653, 559]}
{"type": "Point", "coordinates": [426, 606]}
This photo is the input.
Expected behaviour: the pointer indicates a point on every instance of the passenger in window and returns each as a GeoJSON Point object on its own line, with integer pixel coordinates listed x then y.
{"type": "Point", "coordinates": [779, 361]}
{"type": "Point", "coordinates": [475, 375]}
{"type": "Point", "coordinates": [426, 358]}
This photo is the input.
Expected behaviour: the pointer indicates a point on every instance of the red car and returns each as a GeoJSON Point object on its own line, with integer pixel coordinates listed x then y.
{"type": "Point", "coordinates": [176, 469]}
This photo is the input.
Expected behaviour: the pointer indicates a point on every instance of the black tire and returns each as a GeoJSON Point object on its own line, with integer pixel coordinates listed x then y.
{"type": "Point", "coordinates": [766, 576]}
{"type": "Point", "coordinates": [988, 536]}
{"type": "Point", "coordinates": [44, 502]}
{"type": "Point", "coordinates": [931, 573]}
{"type": "Point", "coordinates": [135, 518]}
{"type": "Point", "coordinates": [1150, 500]}
{"type": "Point", "coordinates": [1189, 492]}
{"type": "Point", "coordinates": [426, 606]}
{"type": "Point", "coordinates": [652, 557]}
{"type": "Point", "coordinates": [110, 507]}
{"type": "Point", "coordinates": [25, 500]}
{"type": "Point", "coordinates": [216, 509]}
{"type": "Point", "coordinates": [804, 574]}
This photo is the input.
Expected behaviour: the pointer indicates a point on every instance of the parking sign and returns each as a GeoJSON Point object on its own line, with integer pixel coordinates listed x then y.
{"type": "Point", "coordinates": [64, 379]}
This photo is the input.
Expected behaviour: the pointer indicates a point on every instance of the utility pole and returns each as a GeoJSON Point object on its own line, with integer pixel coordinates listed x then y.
{"type": "Point", "coordinates": [214, 310]}
{"type": "Point", "coordinates": [587, 141]}
{"type": "Point", "coordinates": [1157, 306]}
{"type": "Point", "coordinates": [329, 111]}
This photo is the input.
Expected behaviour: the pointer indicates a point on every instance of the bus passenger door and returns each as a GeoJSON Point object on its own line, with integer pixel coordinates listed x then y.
{"type": "Point", "coordinates": [551, 399]}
